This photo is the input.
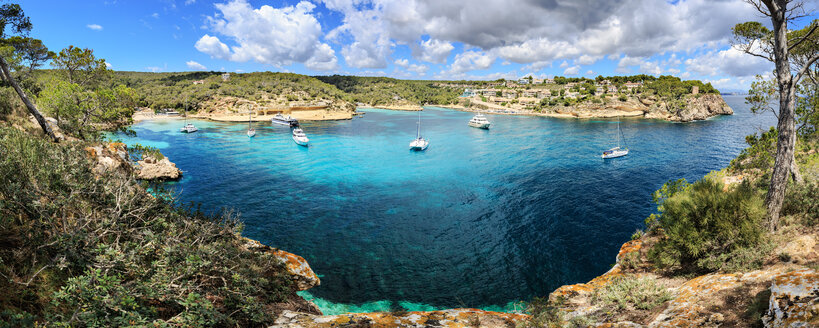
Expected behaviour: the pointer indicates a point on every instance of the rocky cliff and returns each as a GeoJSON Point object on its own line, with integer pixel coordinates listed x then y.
{"type": "Point", "coordinates": [690, 108]}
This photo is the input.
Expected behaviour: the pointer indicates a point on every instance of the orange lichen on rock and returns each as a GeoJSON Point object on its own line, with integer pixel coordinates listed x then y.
{"type": "Point", "coordinates": [454, 318]}
{"type": "Point", "coordinates": [794, 300]}
{"type": "Point", "coordinates": [568, 291]}
{"type": "Point", "coordinates": [297, 266]}
{"type": "Point", "coordinates": [629, 247]}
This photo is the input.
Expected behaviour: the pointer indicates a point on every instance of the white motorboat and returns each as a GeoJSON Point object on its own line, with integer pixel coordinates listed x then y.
{"type": "Point", "coordinates": [284, 120]}
{"type": "Point", "coordinates": [617, 151]}
{"type": "Point", "coordinates": [479, 121]}
{"type": "Point", "coordinates": [300, 138]}
{"type": "Point", "coordinates": [419, 143]}
{"type": "Point", "coordinates": [251, 133]}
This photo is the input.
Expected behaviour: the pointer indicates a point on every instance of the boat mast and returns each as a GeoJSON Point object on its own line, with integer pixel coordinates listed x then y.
{"type": "Point", "coordinates": [418, 135]}
{"type": "Point", "coordinates": [250, 118]}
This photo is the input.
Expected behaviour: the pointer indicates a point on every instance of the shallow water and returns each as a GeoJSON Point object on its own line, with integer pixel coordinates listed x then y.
{"type": "Point", "coordinates": [480, 219]}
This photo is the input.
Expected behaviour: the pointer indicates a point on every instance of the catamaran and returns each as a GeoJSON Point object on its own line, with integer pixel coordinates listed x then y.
{"type": "Point", "coordinates": [617, 151]}
{"type": "Point", "coordinates": [300, 138]}
{"type": "Point", "coordinates": [251, 132]}
{"type": "Point", "coordinates": [479, 121]}
{"type": "Point", "coordinates": [189, 127]}
{"type": "Point", "coordinates": [419, 143]}
{"type": "Point", "coordinates": [284, 120]}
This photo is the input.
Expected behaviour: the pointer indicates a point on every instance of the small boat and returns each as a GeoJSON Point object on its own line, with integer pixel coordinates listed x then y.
{"type": "Point", "coordinates": [251, 132]}
{"type": "Point", "coordinates": [189, 127]}
{"type": "Point", "coordinates": [300, 138]}
{"type": "Point", "coordinates": [284, 120]}
{"type": "Point", "coordinates": [617, 151]}
{"type": "Point", "coordinates": [419, 143]}
{"type": "Point", "coordinates": [479, 121]}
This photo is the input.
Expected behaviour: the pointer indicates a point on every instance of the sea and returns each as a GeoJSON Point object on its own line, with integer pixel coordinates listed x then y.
{"type": "Point", "coordinates": [483, 218]}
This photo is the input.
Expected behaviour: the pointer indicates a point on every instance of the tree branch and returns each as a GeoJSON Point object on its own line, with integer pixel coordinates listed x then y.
{"type": "Point", "coordinates": [803, 70]}
{"type": "Point", "coordinates": [803, 38]}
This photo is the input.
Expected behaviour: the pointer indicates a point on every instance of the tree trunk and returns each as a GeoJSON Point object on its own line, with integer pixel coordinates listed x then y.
{"type": "Point", "coordinates": [31, 108]}
{"type": "Point", "coordinates": [797, 177]}
{"type": "Point", "coordinates": [786, 126]}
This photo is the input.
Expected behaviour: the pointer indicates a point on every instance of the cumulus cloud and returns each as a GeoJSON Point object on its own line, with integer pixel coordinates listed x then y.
{"type": "Point", "coordinates": [435, 51]}
{"type": "Point", "coordinates": [268, 35]}
{"type": "Point", "coordinates": [574, 70]}
{"type": "Point", "coordinates": [536, 31]}
{"type": "Point", "coordinates": [470, 61]}
{"type": "Point", "coordinates": [417, 68]}
{"type": "Point", "coordinates": [730, 61]}
{"type": "Point", "coordinates": [195, 66]}
{"type": "Point", "coordinates": [95, 27]}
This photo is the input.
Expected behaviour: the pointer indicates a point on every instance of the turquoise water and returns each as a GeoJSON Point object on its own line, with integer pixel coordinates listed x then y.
{"type": "Point", "coordinates": [480, 219]}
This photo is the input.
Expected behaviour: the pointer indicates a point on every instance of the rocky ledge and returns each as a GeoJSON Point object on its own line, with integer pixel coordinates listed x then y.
{"type": "Point", "coordinates": [712, 300]}
{"type": "Point", "coordinates": [152, 169]}
{"type": "Point", "coordinates": [690, 108]}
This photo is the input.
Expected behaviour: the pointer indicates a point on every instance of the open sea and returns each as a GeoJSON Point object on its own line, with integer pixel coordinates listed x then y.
{"type": "Point", "coordinates": [480, 219]}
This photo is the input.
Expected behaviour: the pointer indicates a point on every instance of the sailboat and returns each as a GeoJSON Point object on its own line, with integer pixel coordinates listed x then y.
{"type": "Point", "coordinates": [617, 151]}
{"type": "Point", "coordinates": [419, 143]}
{"type": "Point", "coordinates": [189, 127]}
{"type": "Point", "coordinates": [251, 132]}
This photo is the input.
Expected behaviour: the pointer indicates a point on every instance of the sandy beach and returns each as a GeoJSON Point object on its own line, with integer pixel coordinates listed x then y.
{"type": "Point", "coordinates": [303, 115]}
{"type": "Point", "coordinates": [411, 108]}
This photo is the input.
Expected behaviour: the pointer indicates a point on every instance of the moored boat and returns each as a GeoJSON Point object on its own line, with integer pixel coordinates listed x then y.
{"type": "Point", "coordinates": [419, 143]}
{"type": "Point", "coordinates": [284, 120]}
{"type": "Point", "coordinates": [479, 121]}
{"type": "Point", "coordinates": [617, 151]}
{"type": "Point", "coordinates": [300, 138]}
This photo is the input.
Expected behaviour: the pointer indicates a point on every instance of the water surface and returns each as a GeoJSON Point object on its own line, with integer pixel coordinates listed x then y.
{"type": "Point", "coordinates": [480, 219]}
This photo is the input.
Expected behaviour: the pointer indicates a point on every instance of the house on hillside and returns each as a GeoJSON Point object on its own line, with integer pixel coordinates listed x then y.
{"type": "Point", "coordinates": [489, 92]}
{"type": "Point", "coordinates": [511, 94]}
{"type": "Point", "coordinates": [537, 81]}
{"type": "Point", "coordinates": [198, 82]}
{"type": "Point", "coordinates": [526, 101]}
{"type": "Point", "coordinates": [549, 81]}
{"type": "Point", "coordinates": [632, 85]}
{"type": "Point", "coordinates": [524, 80]}
{"type": "Point", "coordinates": [612, 89]}
{"type": "Point", "coordinates": [500, 100]}
{"type": "Point", "coordinates": [543, 94]}
{"type": "Point", "coordinates": [529, 93]}
{"type": "Point", "coordinates": [226, 77]}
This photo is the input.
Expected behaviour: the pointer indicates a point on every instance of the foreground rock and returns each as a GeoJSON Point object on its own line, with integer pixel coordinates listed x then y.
{"type": "Point", "coordinates": [455, 318]}
{"type": "Point", "coordinates": [299, 269]}
{"type": "Point", "coordinates": [109, 157]}
{"type": "Point", "coordinates": [152, 169]}
{"type": "Point", "coordinates": [794, 300]}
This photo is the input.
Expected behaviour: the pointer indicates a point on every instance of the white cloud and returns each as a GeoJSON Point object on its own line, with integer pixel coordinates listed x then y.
{"type": "Point", "coordinates": [417, 68]}
{"type": "Point", "coordinates": [471, 60]}
{"type": "Point", "coordinates": [95, 27]}
{"type": "Point", "coordinates": [730, 62]}
{"type": "Point", "coordinates": [589, 73]}
{"type": "Point", "coordinates": [571, 70]}
{"type": "Point", "coordinates": [564, 64]}
{"type": "Point", "coordinates": [435, 51]}
{"type": "Point", "coordinates": [195, 66]}
{"type": "Point", "coordinates": [155, 15]}
{"type": "Point", "coordinates": [108, 65]}
{"type": "Point", "coordinates": [268, 35]}
{"type": "Point", "coordinates": [587, 60]}
{"type": "Point", "coordinates": [154, 69]}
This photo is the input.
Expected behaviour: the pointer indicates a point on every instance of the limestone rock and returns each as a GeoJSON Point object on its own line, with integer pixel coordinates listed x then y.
{"type": "Point", "coordinates": [109, 158]}
{"type": "Point", "coordinates": [152, 169]}
{"type": "Point", "coordinates": [416, 319]}
{"type": "Point", "coordinates": [299, 269]}
{"type": "Point", "coordinates": [794, 300]}
{"type": "Point", "coordinates": [801, 249]}
{"type": "Point", "coordinates": [703, 107]}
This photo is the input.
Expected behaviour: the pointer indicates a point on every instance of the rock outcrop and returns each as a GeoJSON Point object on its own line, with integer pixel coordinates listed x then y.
{"type": "Point", "coordinates": [691, 108]}
{"type": "Point", "coordinates": [455, 318]}
{"type": "Point", "coordinates": [299, 269]}
{"type": "Point", "coordinates": [108, 158]}
{"type": "Point", "coordinates": [152, 169]}
{"type": "Point", "coordinates": [703, 107]}
{"type": "Point", "coordinates": [794, 300]}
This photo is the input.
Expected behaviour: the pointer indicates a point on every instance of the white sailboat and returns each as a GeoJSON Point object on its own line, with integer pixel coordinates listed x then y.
{"type": "Point", "coordinates": [617, 151]}
{"type": "Point", "coordinates": [251, 132]}
{"type": "Point", "coordinates": [419, 143]}
{"type": "Point", "coordinates": [189, 127]}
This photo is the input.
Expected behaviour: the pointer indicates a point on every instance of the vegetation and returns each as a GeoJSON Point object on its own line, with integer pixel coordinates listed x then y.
{"type": "Point", "coordinates": [704, 228]}
{"type": "Point", "coordinates": [383, 90]}
{"type": "Point", "coordinates": [674, 88]}
{"type": "Point", "coordinates": [84, 250]}
{"type": "Point", "coordinates": [630, 293]}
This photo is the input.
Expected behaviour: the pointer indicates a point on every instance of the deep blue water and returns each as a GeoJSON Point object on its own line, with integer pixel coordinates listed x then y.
{"type": "Point", "coordinates": [480, 219]}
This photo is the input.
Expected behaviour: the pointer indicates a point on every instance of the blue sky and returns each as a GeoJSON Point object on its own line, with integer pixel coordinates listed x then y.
{"type": "Point", "coordinates": [411, 39]}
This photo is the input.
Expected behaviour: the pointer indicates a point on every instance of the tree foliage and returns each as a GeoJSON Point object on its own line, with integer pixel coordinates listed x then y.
{"type": "Point", "coordinates": [83, 250]}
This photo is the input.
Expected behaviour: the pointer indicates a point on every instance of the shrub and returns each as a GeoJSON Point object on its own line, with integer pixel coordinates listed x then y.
{"type": "Point", "coordinates": [802, 201]}
{"type": "Point", "coordinates": [628, 293]}
{"type": "Point", "coordinates": [622, 97]}
{"type": "Point", "coordinates": [85, 250]}
{"type": "Point", "coordinates": [705, 227]}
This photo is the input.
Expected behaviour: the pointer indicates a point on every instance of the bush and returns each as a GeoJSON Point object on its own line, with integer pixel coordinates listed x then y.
{"type": "Point", "coordinates": [802, 201]}
{"type": "Point", "coordinates": [629, 293]}
{"type": "Point", "coordinates": [622, 97]}
{"type": "Point", "coordinates": [705, 228]}
{"type": "Point", "coordinates": [80, 249]}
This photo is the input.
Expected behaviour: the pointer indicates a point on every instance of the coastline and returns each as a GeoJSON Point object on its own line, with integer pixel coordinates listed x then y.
{"type": "Point", "coordinates": [305, 115]}
{"type": "Point", "coordinates": [605, 114]}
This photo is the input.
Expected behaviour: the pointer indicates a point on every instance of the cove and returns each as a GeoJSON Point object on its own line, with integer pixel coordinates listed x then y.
{"type": "Point", "coordinates": [480, 219]}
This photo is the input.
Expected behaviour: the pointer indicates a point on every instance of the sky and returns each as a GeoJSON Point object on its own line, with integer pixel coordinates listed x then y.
{"type": "Point", "coordinates": [412, 39]}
